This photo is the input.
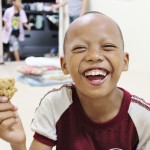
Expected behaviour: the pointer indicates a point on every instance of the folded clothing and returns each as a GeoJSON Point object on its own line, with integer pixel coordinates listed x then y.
{"type": "Point", "coordinates": [42, 76]}
{"type": "Point", "coordinates": [42, 61]}
{"type": "Point", "coordinates": [37, 82]}
{"type": "Point", "coordinates": [56, 75]}
{"type": "Point", "coordinates": [32, 70]}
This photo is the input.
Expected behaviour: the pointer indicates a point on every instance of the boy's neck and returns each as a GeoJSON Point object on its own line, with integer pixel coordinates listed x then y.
{"type": "Point", "coordinates": [105, 109]}
{"type": "Point", "coordinates": [16, 9]}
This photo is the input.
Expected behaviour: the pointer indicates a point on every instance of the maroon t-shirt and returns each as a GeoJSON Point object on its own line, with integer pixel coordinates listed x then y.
{"type": "Point", "coordinates": [75, 131]}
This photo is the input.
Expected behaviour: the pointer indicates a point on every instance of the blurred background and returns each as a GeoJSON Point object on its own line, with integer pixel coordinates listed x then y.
{"type": "Point", "coordinates": [46, 35]}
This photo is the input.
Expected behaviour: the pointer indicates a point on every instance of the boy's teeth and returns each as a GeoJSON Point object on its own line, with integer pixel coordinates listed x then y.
{"type": "Point", "coordinates": [95, 72]}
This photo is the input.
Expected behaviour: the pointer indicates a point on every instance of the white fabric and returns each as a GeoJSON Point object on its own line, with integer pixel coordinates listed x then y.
{"type": "Point", "coordinates": [9, 13]}
{"type": "Point", "coordinates": [141, 118]}
{"type": "Point", "coordinates": [74, 7]}
{"type": "Point", "coordinates": [51, 108]}
{"type": "Point", "coordinates": [42, 61]}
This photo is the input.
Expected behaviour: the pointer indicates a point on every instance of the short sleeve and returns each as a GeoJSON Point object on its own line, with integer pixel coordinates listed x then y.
{"type": "Point", "coordinates": [23, 17]}
{"type": "Point", "coordinates": [5, 16]}
{"type": "Point", "coordinates": [44, 121]}
{"type": "Point", "coordinates": [50, 110]}
{"type": "Point", "coordinates": [44, 140]}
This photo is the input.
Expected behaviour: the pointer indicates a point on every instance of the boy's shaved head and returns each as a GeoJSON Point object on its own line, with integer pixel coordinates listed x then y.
{"type": "Point", "coordinates": [94, 42]}
{"type": "Point", "coordinates": [90, 13]}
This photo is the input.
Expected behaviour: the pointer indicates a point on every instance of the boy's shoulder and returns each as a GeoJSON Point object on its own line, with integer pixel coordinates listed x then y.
{"type": "Point", "coordinates": [56, 101]}
{"type": "Point", "coordinates": [138, 107]}
{"type": "Point", "coordinates": [59, 91]}
{"type": "Point", "coordinates": [59, 95]}
{"type": "Point", "coordinates": [9, 9]}
{"type": "Point", "coordinates": [139, 102]}
{"type": "Point", "coordinates": [139, 112]}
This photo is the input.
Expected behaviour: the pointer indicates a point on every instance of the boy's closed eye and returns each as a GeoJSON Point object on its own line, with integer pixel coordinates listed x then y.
{"type": "Point", "coordinates": [109, 47]}
{"type": "Point", "coordinates": [79, 49]}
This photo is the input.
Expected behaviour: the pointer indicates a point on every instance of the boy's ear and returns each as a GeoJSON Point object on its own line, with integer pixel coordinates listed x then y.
{"type": "Point", "coordinates": [63, 65]}
{"type": "Point", "coordinates": [126, 61]}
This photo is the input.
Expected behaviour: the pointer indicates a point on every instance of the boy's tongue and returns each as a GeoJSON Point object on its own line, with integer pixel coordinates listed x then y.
{"type": "Point", "coordinates": [96, 76]}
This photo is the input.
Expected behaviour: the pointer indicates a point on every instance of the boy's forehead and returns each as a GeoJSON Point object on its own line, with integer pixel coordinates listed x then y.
{"type": "Point", "coordinates": [94, 19]}
{"type": "Point", "coordinates": [90, 22]}
{"type": "Point", "coordinates": [93, 22]}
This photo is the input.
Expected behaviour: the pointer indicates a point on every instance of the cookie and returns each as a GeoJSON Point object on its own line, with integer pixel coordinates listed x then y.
{"type": "Point", "coordinates": [7, 87]}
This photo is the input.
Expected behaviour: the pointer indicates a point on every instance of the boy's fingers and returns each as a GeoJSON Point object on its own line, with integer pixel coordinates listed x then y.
{"type": "Point", "coordinates": [8, 123]}
{"type": "Point", "coordinates": [7, 115]}
{"type": "Point", "coordinates": [7, 106]}
{"type": "Point", "coordinates": [3, 99]}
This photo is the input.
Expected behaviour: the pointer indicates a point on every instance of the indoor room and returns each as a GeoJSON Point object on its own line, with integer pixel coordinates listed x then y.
{"type": "Point", "coordinates": [38, 69]}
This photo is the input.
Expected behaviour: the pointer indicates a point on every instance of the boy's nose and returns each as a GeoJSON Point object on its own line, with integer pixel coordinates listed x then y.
{"type": "Point", "coordinates": [94, 55]}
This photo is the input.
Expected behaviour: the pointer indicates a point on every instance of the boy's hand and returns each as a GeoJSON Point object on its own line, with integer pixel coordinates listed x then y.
{"type": "Point", "coordinates": [28, 27]}
{"type": "Point", "coordinates": [11, 129]}
{"type": "Point", "coordinates": [54, 7]}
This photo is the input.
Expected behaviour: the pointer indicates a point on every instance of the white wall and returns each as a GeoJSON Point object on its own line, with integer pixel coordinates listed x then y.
{"type": "Point", "coordinates": [133, 17]}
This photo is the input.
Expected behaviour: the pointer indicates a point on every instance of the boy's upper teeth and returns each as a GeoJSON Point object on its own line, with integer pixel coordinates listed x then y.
{"type": "Point", "coordinates": [95, 72]}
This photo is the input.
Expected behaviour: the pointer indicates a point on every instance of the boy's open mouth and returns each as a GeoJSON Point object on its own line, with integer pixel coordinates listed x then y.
{"type": "Point", "coordinates": [96, 76]}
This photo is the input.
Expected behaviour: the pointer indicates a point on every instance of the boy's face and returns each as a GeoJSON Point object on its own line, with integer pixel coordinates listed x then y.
{"type": "Point", "coordinates": [17, 3]}
{"type": "Point", "coordinates": [94, 55]}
